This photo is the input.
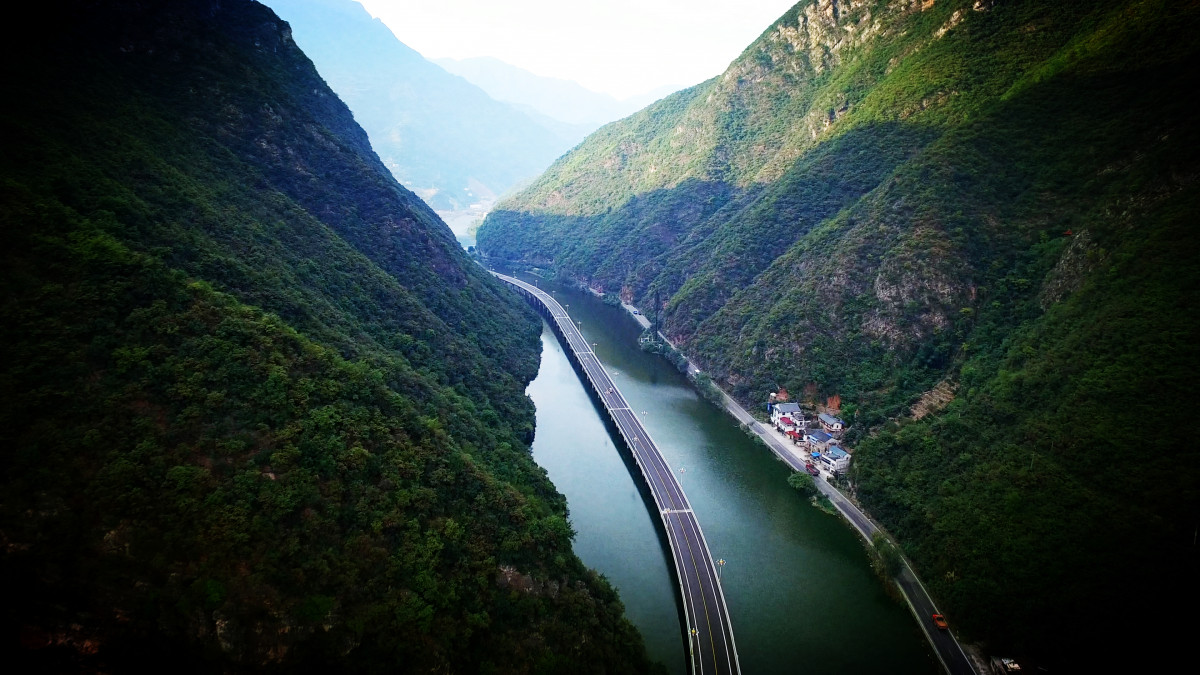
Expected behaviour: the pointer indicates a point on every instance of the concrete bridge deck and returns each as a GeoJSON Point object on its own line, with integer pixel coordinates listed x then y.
{"type": "Point", "coordinates": [711, 648]}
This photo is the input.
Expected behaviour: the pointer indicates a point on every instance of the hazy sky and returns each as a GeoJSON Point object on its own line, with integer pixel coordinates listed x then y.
{"type": "Point", "coordinates": [620, 47]}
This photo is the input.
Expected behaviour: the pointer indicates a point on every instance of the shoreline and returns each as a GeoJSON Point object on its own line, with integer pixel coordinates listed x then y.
{"type": "Point", "coordinates": [906, 582]}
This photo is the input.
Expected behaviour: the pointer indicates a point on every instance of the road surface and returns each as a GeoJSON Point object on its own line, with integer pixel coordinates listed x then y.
{"type": "Point", "coordinates": [948, 651]}
{"type": "Point", "coordinates": [711, 647]}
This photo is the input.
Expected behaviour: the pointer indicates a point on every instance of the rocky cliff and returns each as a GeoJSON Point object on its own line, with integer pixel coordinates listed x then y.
{"type": "Point", "coordinates": [878, 197]}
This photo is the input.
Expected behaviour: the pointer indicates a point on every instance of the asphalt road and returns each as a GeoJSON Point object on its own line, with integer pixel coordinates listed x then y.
{"type": "Point", "coordinates": [711, 647]}
{"type": "Point", "coordinates": [948, 651]}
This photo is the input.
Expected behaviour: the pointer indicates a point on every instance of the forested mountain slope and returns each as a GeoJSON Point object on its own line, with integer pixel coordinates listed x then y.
{"type": "Point", "coordinates": [441, 136]}
{"type": "Point", "coordinates": [257, 408]}
{"type": "Point", "coordinates": [1000, 197]}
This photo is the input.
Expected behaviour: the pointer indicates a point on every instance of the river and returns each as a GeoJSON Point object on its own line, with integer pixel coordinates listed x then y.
{"type": "Point", "coordinates": [801, 593]}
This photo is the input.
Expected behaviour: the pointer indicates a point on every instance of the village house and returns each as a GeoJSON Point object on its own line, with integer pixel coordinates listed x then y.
{"type": "Point", "coordinates": [834, 460]}
{"type": "Point", "coordinates": [830, 423]}
{"type": "Point", "coordinates": [818, 440]}
{"type": "Point", "coordinates": [780, 410]}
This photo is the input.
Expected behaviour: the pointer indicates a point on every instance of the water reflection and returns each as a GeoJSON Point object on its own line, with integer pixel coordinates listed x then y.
{"type": "Point", "coordinates": [800, 590]}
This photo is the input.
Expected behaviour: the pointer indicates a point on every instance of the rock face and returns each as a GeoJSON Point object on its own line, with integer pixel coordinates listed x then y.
{"type": "Point", "coordinates": [258, 409]}
{"type": "Point", "coordinates": [880, 196]}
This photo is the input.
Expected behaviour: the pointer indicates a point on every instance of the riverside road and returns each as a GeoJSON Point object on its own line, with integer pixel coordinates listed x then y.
{"type": "Point", "coordinates": [711, 647]}
{"type": "Point", "coordinates": [948, 651]}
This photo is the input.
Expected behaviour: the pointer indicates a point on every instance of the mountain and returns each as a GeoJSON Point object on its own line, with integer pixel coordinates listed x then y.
{"type": "Point", "coordinates": [441, 136]}
{"type": "Point", "coordinates": [258, 410]}
{"type": "Point", "coordinates": [558, 99]}
{"type": "Point", "coordinates": [974, 222]}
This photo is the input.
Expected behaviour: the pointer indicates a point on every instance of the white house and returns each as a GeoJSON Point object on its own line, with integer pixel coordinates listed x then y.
{"type": "Point", "coordinates": [779, 410]}
{"type": "Point", "coordinates": [834, 460]}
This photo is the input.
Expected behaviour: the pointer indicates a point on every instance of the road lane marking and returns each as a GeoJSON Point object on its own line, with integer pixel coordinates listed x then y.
{"type": "Point", "coordinates": [663, 484]}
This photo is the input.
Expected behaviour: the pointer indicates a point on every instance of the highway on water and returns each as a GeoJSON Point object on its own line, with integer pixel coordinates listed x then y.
{"type": "Point", "coordinates": [711, 647]}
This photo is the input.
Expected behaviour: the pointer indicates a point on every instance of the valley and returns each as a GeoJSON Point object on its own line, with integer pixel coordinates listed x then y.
{"type": "Point", "coordinates": [263, 408]}
{"type": "Point", "coordinates": [880, 201]}
{"type": "Point", "coordinates": [794, 576]}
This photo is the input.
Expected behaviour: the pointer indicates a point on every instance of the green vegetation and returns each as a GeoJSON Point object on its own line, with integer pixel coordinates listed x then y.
{"type": "Point", "coordinates": [437, 133]}
{"type": "Point", "coordinates": [997, 197]}
{"type": "Point", "coordinates": [803, 483]}
{"type": "Point", "coordinates": [257, 408]}
{"type": "Point", "coordinates": [654, 344]}
{"type": "Point", "coordinates": [886, 556]}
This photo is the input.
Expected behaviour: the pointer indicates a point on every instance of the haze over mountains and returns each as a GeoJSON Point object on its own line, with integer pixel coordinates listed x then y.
{"type": "Point", "coordinates": [563, 101]}
{"type": "Point", "coordinates": [973, 221]}
{"type": "Point", "coordinates": [258, 409]}
{"type": "Point", "coordinates": [441, 136]}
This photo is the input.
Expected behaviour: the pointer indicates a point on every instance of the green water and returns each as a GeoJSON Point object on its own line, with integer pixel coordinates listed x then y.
{"type": "Point", "coordinates": [801, 594]}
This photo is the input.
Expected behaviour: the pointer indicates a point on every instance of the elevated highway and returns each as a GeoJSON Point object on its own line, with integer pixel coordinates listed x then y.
{"type": "Point", "coordinates": [711, 648]}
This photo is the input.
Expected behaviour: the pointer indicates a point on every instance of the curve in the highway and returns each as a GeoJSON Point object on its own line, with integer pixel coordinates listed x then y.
{"type": "Point", "coordinates": [711, 647]}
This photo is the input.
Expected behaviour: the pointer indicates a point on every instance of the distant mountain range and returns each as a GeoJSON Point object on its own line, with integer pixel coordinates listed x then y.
{"type": "Point", "coordinates": [259, 412]}
{"type": "Point", "coordinates": [972, 221]}
{"type": "Point", "coordinates": [561, 100]}
{"type": "Point", "coordinates": [441, 136]}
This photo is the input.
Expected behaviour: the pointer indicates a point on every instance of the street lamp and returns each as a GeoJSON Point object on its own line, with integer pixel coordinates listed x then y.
{"type": "Point", "coordinates": [681, 472]}
{"type": "Point", "coordinates": [720, 566]}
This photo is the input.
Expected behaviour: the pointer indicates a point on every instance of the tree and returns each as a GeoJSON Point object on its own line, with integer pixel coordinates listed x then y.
{"type": "Point", "coordinates": [889, 557]}
{"type": "Point", "coordinates": [804, 483]}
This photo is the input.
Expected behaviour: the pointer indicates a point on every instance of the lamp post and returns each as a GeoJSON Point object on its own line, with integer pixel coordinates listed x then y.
{"type": "Point", "coordinates": [720, 566]}
{"type": "Point", "coordinates": [681, 472]}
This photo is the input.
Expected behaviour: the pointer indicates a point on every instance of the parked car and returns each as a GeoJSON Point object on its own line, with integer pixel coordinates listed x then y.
{"type": "Point", "coordinates": [940, 622]}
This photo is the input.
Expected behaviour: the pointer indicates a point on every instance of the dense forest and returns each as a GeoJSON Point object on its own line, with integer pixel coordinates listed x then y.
{"type": "Point", "coordinates": [991, 200]}
{"type": "Point", "coordinates": [258, 410]}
